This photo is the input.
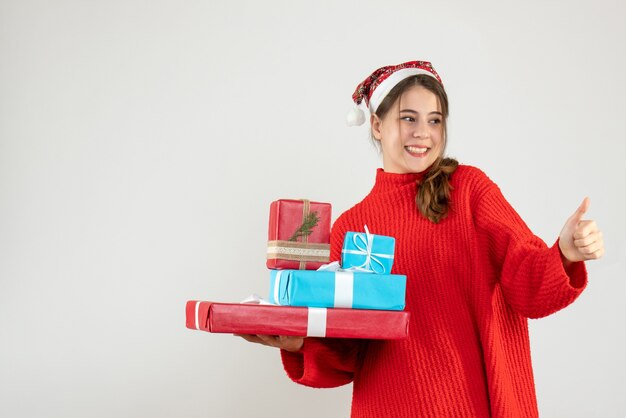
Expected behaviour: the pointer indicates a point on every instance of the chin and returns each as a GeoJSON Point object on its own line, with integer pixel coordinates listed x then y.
{"type": "Point", "coordinates": [418, 169]}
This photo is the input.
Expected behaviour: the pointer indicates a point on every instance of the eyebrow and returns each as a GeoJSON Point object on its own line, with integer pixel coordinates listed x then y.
{"type": "Point", "coordinates": [414, 112]}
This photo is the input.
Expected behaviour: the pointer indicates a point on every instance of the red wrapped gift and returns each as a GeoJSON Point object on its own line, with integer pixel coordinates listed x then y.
{"type": "Point", "coordinates": [247, 318]}
{"type": "Point", "coordinates": [298, 235]}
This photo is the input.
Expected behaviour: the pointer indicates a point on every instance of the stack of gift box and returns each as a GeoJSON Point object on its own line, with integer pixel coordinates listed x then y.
{"type": "Point", "coordinates": [308, 297]}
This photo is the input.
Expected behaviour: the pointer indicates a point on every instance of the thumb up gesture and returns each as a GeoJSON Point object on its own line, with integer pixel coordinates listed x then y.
{"type": "Point", "coordinates": [581, 239]}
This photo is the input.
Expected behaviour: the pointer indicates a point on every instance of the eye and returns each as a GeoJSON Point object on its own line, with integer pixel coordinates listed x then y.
{"type": "Point", "coordinates": [407, 118]}
{"type": "Point", "coordinates": [435, 121]}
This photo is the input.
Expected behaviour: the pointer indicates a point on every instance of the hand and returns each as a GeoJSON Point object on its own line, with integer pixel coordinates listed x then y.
{"type": "Point", "coordinates": [279, 341]}
{"type": "Point", "coordinates": [581, 240]}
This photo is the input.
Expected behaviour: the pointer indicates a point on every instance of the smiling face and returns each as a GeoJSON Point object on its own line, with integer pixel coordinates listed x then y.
{"type": "Point", "coordinates": [411, 132]}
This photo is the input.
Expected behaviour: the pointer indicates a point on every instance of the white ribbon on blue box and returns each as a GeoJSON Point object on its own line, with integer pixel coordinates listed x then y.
{"type": "Point", "coordinates": [337, 289]}
{"type": "Point", "coordinates": [368, 252]}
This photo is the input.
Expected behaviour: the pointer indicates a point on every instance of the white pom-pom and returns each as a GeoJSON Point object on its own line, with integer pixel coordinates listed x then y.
{"type": "Point", "coordinates": [355, 117]}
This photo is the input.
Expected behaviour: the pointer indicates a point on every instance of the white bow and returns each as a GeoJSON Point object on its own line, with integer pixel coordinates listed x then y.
{"type": "Point", "coordinates": [364, 247]}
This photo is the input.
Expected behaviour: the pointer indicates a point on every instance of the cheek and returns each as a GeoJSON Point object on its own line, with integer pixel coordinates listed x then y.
{"type": "Point", "coordinates": [437, 150]}
{"type": "Point", "coordinates": [438, 137]}
{"type": "Point", "coordinates": [405, 130]}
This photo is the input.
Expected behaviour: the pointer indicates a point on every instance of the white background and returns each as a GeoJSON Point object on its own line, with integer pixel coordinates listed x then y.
{"type": "Point", "coordinates": [141, 143]}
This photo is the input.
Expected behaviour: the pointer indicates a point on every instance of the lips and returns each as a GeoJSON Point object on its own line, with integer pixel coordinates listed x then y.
{"type": "Point", "coordinates": [416, 151]}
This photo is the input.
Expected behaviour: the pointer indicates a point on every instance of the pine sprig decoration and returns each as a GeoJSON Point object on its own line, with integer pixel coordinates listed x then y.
{"type": "Point", "coordinates": [308, 223]}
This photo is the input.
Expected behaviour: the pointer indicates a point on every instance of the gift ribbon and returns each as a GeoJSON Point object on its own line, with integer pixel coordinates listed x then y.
{"type": "Point", "coordinates": [298, 251]}
{"type": "Point", "coordinates": [316, 322]}
{"type": "Point", "coordinates": [344, 285]}
{"type": "Point", "coordinates": [306, 207]}
{"type": "Point", "coordinates": [364, 247]}
{"type": "Point", "coordinates": [277, 286]}
{"type": "Point", "coordinates": [197, 315]}
{"type": "Point", "coordinates": [344, 288]}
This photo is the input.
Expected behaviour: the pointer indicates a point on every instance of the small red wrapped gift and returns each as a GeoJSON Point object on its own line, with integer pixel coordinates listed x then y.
{"type": "Point", "coordinates": [248, 318]}
{"type": "Point", "coordinates": [298, 234]}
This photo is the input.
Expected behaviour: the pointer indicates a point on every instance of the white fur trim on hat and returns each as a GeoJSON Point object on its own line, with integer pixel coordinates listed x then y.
{"type": "Point", "coordinates": [390, 82]}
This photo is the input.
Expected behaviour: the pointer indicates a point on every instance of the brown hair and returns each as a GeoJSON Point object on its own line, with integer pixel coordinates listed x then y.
{"type": "Point", "coordinates": [433, 191]}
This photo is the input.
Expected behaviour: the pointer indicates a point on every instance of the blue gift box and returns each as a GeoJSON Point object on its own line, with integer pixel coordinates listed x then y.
{"type": "Point", "coordinates": [368, 252]}
{"type": "Point", "coordinates": [337, 289]}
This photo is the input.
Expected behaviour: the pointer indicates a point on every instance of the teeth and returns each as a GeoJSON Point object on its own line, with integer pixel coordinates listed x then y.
{"type": "Point", "coordinates": [416, 150]}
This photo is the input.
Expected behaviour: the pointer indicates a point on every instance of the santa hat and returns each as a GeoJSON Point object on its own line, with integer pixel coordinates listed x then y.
{"type": "Point", "coordinates": [376, 87]}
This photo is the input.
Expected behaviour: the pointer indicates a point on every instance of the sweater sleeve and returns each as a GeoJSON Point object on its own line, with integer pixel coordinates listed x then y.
{"type": "Point", "coordinates": [322, 362]}
{"type": "Point", "coordinates": [325, 362]}
{"type": "Point", "coordinates": [533, 279]}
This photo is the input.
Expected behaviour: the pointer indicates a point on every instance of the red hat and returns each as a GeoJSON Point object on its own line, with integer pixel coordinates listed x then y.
{"type": "Point", "coordinates": [376, 86]}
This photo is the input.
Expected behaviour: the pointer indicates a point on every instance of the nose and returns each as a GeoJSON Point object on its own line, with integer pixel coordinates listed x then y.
{"type": "Point", "coordinates": [421, 131]}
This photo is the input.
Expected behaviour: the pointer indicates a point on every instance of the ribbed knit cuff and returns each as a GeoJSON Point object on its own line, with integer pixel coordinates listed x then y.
{"type": "Point", "coordinates": [293, 361]}
{"type": "Point", "coordinates": [322, 362]}
{"type": "Point", "coordinates": [576, 271]}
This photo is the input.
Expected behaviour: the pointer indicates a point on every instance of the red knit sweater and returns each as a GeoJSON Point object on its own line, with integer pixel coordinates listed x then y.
{"type": "Point", "coordinates": [472, 282]}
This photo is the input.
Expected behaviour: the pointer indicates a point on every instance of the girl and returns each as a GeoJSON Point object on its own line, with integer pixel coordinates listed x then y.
{"type": "Point", "coordinates": [475, 272]}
